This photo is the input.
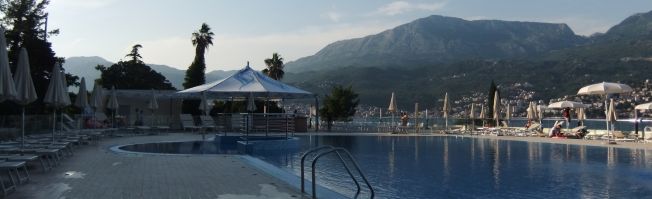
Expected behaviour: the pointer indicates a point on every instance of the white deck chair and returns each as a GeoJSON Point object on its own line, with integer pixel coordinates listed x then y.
{"type": "Point", "coordinates": [187, 122]}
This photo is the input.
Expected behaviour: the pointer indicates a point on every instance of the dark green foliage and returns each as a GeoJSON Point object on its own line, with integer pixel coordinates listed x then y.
{"type": "Point", "coordinates": [339, 105]}
{"type": "Point", "coordinates": [195, 75]}
{"type": "Point", "coordinates": [274, 67]}
{"type": "Point", "coordinates": [132, 74]}
{"type": "Point", "coordinates": [24, 23]}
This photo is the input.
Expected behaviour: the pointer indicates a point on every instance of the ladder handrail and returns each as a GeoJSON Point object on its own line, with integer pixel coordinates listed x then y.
{"type": "Point", "coordinates": [314, 167]}
{"type": "Point", "coordinates": [335, 150]}
{"type": "Point", "coordinates": [303, 158]}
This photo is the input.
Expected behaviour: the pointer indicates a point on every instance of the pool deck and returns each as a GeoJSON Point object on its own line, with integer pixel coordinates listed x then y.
{"type": "Point", "coordinates": [97, 172]}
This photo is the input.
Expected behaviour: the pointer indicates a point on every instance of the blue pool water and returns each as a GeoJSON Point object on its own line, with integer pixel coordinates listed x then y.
{"type": "Point", "coordinates": [455, 167]}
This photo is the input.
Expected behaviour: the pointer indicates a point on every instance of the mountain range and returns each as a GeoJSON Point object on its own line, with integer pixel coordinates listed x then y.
{"type": "Point", "coordinates": [85, 67]}
{"type": "Point", "coordinates": [428, 57]}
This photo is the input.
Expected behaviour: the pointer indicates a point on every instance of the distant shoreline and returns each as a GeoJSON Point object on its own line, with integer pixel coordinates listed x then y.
{"type": "Point", "coordinates": [581, 142]}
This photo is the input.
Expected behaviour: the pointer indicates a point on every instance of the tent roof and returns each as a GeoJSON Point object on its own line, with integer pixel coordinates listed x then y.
{"type": "Point", "coordinates": [243, 83]}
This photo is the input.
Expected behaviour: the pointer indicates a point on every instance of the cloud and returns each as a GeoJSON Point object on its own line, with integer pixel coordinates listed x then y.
{"type": "Point", "coordinates": [333, 16]}
{"type": "Point", "coordinates": [399, 7]}
{"type": "Point", "coordinates": [81, 3]}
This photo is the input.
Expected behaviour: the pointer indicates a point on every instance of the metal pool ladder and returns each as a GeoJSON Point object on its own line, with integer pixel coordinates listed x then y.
{"type": "Point", "coordinates": [339, 151]}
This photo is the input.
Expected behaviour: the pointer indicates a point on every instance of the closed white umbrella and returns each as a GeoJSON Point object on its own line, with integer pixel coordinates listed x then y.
{"type": "Point", "coordinates": [445, 109]}
{"type": "Point", "coordinates": [97, 96]}
{"type": "Point", "coordinates": [152, 105]}
{"type": "Point", "coordinates": [392, 108]}
{"type": "Point", "coordinates": [25, 92]}
{"type": "Point", "coordinates": [604, 89]}
{"type": "Point", "coordinates": [7, 86]}
{"type": "Point", "coordinates": [81, 101]}
{"type": "Point", "coordinates": [57, 94]}
{"type": "Point", "coordinates": [496, 107]}
{"type": "Point", "coordinates": [96, 100]}
{"type": "Point", "coordinates": [472, 116]}
{"type": "Point", "coordinates": [113, 105]}
{"type": "Point", "coordinates": [611, 117]}
{"type": "Point", "coordinates": [416, 117]}
{"type": "Point", "coordinates": [581, 115]}
{"type": "Point", "coordinates": [482, 114]}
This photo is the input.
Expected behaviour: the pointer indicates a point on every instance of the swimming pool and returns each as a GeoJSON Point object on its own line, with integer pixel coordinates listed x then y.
{"type": "Point", "coordinates": [456, 167]}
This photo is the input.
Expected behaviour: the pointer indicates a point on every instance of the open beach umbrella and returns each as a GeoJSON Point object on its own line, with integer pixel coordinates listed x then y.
{"type": "Point", "coordinates": [604, 89]}
{"type": "Point", "coordinates": [566, 104]}
{"type": "Point", "coordinates": [25, 92]}
{"type": "Point", "coordinates": [204, 105]}
{"type": "Point", "coordinates": [113, 105]}
{"type": "Point", "coordinates": [392, 107]}
{"type": "Point", "coordinates": [445, 109]}
{"type": "Point", "coordinates": [496, 108]}
{"type": "Point", "coordinates": [646, 106]}
{"type": "Point", "coordinates": [152, 105]}
{"type": "Point", "coordinates": [7, 86]}
{"type": "Point", "coordinates": [57, 94]}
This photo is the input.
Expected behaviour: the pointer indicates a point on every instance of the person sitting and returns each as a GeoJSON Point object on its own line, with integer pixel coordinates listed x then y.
{"type": "Point", "coordinates": [556, 131]}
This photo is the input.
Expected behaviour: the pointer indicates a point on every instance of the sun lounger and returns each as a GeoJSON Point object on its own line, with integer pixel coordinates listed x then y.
{"type": "Point", "coordinates": [620, 137]}
{"type": "Point", "coordinates": [187, 122]}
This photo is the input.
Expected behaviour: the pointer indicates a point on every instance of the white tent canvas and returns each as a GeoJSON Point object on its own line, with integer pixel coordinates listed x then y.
{"type": "Point", "coordinates": [243, 83]}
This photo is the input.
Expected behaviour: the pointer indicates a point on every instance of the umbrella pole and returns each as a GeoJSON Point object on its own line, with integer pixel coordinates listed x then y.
{"type": "Point", "coordinates": [54, 123]}
{"type": "Point", "coordinates": [22, 144]}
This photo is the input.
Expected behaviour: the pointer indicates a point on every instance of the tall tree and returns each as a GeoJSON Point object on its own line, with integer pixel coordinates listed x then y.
{"type": "Point", "coordinates": [132, 74]}
{"type": "Point", "coordinates": [339, 105]}
{"type": "Point", "coordinates": [195, 76]}
{"type": "Point", "coordinates": [134, 54]}
{"type": "Point", "coordinates": [25, 24]}
{"type": "Point", "coordinates": [274, 67]}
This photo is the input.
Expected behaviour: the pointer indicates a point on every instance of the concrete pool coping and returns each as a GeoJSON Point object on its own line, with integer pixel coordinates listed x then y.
{"type": "Point", "coordinates": [272, 170]}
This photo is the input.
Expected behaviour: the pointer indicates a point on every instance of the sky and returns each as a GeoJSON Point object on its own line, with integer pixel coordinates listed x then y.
{"type": "Point", "coordinates": [252, 30]}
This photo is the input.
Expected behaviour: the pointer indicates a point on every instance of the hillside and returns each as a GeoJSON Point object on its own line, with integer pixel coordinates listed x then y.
{"type": "Point", "coordinates": [439, 39]}
{"type": "Point", "coordinates": [85, 67]}
{"type": "Point", "coordinates": [622, 54]}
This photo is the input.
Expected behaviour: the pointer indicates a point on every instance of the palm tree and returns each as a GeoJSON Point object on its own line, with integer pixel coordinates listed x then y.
{"type": "Point", "coordinates": [201, 39]}
{"type": "Point", "coordinates": [274, 67]}
{"type": "Point", "coordinates": [195, 76]}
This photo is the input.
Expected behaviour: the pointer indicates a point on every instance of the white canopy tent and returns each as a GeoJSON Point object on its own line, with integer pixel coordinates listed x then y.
{"type": "Point", "coordinates": [244, 84]}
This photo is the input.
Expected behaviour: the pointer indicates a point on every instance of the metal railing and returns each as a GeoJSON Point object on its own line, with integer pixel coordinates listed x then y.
{"type": "Point", "coordinates": [339, 151]}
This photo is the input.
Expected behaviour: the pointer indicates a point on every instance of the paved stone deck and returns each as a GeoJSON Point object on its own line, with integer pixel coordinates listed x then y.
{"type": "Point", "coordinates": [96, 172]}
